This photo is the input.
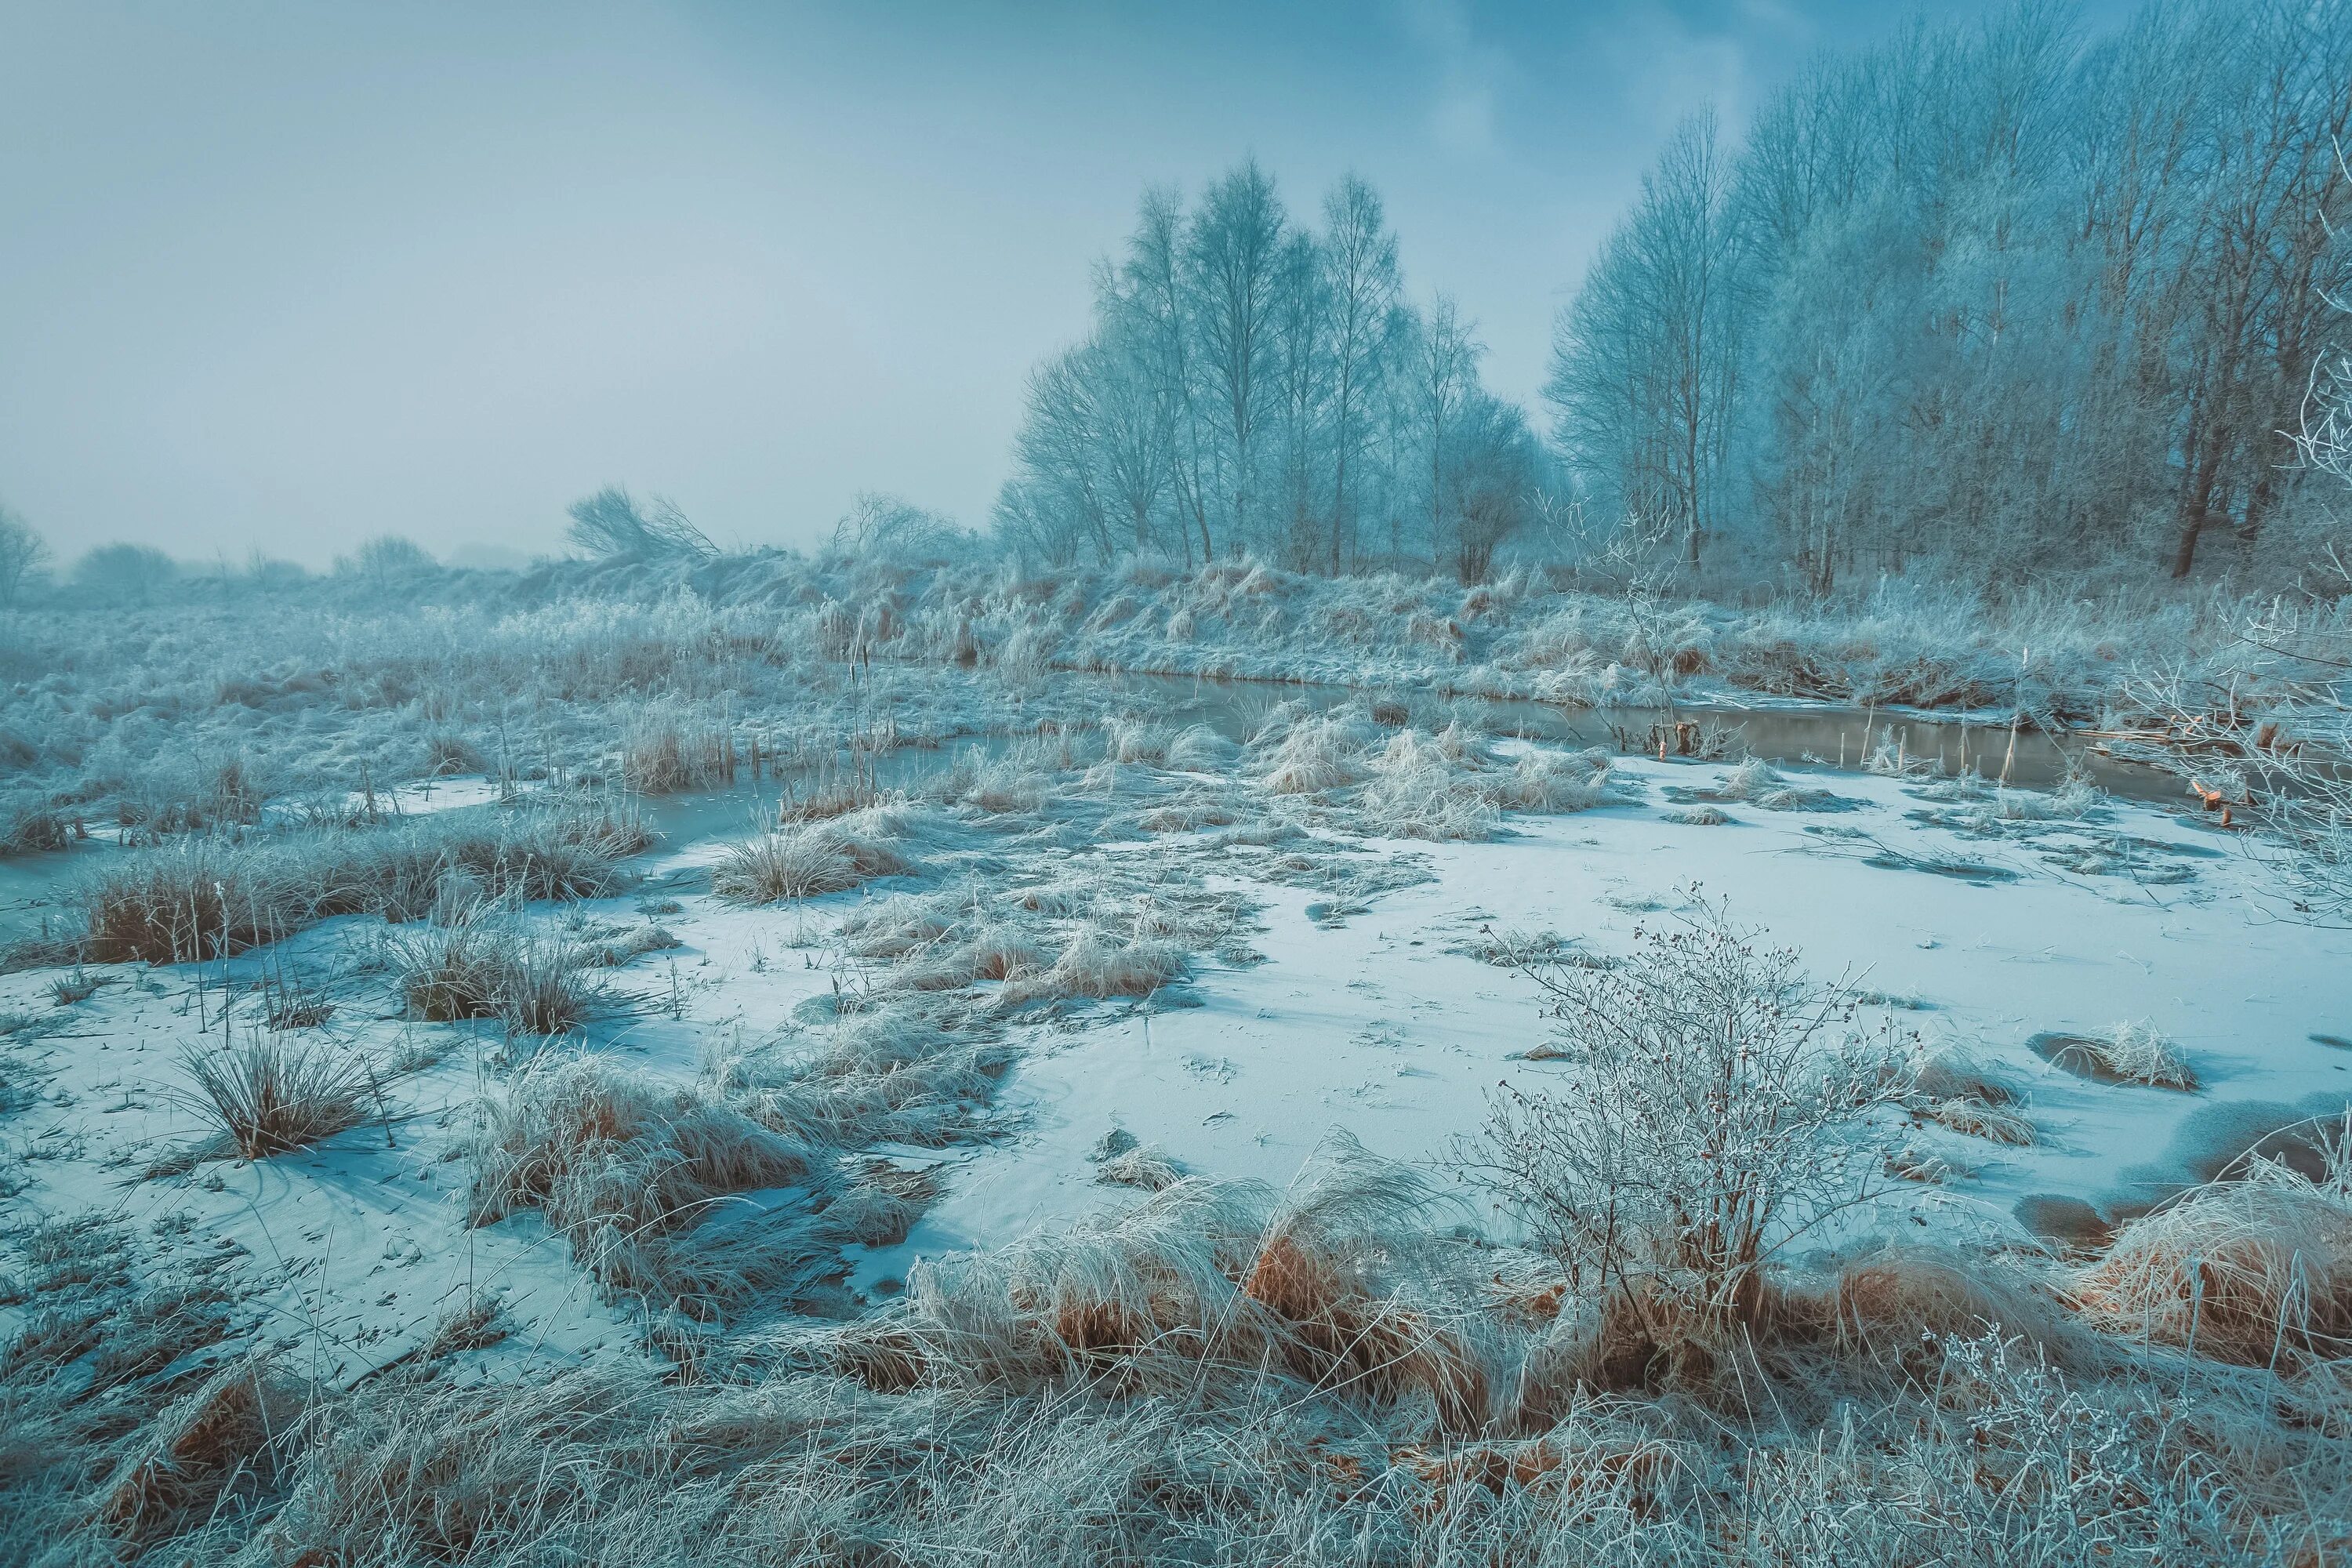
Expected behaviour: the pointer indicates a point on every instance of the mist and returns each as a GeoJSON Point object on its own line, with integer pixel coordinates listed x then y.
{"type": "Point", "coordinates": [283, 277]}
{"type": "Point", "coordinates": [1435, 783]}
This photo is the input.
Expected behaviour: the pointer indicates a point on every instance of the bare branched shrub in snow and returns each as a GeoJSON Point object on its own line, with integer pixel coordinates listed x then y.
{"type": "Point", "coordinates": [1720, 1107]}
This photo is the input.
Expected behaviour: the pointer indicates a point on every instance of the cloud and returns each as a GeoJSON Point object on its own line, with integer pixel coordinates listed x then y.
{"type": "Point", "coordinates": [1672, 67]}
{"type": "Point", "coordinates": [1462, 113]}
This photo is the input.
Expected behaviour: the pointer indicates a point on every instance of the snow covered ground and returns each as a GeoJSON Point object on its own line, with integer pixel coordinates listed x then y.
{"type": "Point", "coordinates": [1370, 1003]}
{"type": "Point", "coordinates": [1386, 1023]}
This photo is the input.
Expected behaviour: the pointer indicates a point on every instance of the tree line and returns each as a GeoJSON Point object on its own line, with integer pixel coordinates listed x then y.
{"type": "Point", "coordinates": [1999, 296]}
{"type": "Point", "coordinates": [1251, 385]}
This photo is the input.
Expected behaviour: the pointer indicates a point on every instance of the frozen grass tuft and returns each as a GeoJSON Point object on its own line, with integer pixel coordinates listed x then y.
{"type": "Point", "coordinates": [1451, 786]}
{"type": "Point", "coordinates": [272, 1093]}
{"type": "Point", "coordinates": [626, 1171]}
{"type": "Point", "coordinates": [896, 1073]}
{"type": "Point", "coordinates": [1098, 965]}
{"type": "Point", "coordinates": [1147, 1166]}
{"type": "Point", "coordinates": [205, 896]}
{"type": "Point", "coordinates": [2134, 1052]}
{"type": "Point", "coordinates": [227, 1434]}
{"type": "Point", "coordinates": [1957, 1091]}
{"type": "Point", "coordinates": [481, 964]}
{"type": "Point", "coordinates": [2142, 1053]}
{"type": "Point", "coordinates": [666, 753]}
{"type": "Point", "coordinates": [1314, 753]}
{"type": "Point", "coordinates": [2257, 1271]}
{"type": "Point", "coordinates": [810, 860]}
{"type": "Point", "coordinates": [1201, 1282]}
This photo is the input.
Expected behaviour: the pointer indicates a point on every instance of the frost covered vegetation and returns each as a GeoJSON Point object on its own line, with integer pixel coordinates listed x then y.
{"type": "Point", "coordinates": [681, 1056]}
{"type": "Point", "coordinates": [2004, 296]}
{"type": "Point", "coordinates": [236, 707]}
{"type": "Point", "coordinates": [1664, 1306]}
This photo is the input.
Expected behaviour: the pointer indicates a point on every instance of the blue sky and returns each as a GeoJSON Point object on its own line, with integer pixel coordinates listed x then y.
{"type": "Point", "coordinates": [286, 276]}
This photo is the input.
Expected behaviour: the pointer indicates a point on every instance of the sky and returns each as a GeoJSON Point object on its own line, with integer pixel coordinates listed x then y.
{"type": "Point", "coordinates": [286, 276]}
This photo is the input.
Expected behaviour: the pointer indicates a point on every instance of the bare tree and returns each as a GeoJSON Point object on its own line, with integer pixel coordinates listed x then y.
{"type": "Point", "coordinates": [1161, 329]}
{"type": "Point", "coordinates": [1360, 258]}
{"type": "Point", "coordinates": [1445, 381]}
{"type": "Point", "coordinates": [22, 552]}
{"type": "Point", "coordinates": [1232, 253]}
{"type": "Point", "coordinates": [1494, 485]}
{"type": "Point", "coordinates": [610, 525]}
{"type": "Point", "coordinates": [890, 528]}
{"type": "Point", "coordinates": [385, 559]}
{"type": "Point", "coordinates": [1645, 360]}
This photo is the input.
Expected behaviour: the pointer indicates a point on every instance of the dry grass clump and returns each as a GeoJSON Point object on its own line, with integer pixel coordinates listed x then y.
{"type": "Point", "coordinates": [1093, 933]}
{"type": "Point", "coordinates": [1451, 786]}
{"type": "Point", "coordinates": [227, 1434]}
{"type": "Point", "coordinates": [1147, 1166]}
{"type": "Point", "coordinates": [68, 989]}
{"type": "Point", "coordinates": [943, 941]}
{"type": "Point", "coordinates": [33, 830]}
{"type": "Point", "coordinates": [1555, 782]}
{"type": "Point", "coordinates": [2257, 1270]}
{"type": "Point", "coordinates": [193, 899]}
{"type": "Point", "coordinates": [613, 949]}
{"type": "Point", "coordinates": [1200, 1279]}
{"type": "Point", "coordinates": [667, 753]}
{"type": "Point", "coordinates": [1957, 1091]}
{"type": "Point", "coordinates": [273, 1093]}
{"type": "Point", "coordinates": [811, 861]}
{"type": "Point", "coordinates": [2245, 1272]}
{"type": "Point", "coordinates": [203, 897]}
{"type": "Point", "coordinates": [481, 964]}
{"type": "Point", "coordinates": [1199, 749]}
{"type": "Point", "coordinates": [2134, 1052]}
{"type": "Point", "coordinates": [626, 1171]}
{"type": "Point", "coordinates": [1757, 782]}
{"type": "Point", "coordinates": [2142, 1054]}
{"type": "Point", "coordinates": [1973, 1117]}
{"type": "Point", "coordinates": [1313, 754]}
{"type": "Point", "coordinates": [916, 1070]}
{"type": "Point", "coordinates": [1420, 790]}
{"type": "Point", "coordinates": [1098, 965]}
{"type": "Point", "coordinates": [1132, 740]}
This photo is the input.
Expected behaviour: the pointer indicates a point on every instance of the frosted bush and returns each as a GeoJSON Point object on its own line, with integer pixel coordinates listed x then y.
{"type": "Point", "coordinates": [1719, 1109]}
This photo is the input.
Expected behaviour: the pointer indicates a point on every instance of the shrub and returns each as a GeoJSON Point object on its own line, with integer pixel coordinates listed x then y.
{"type": "Point", "coordinates": [1721, 1107]}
